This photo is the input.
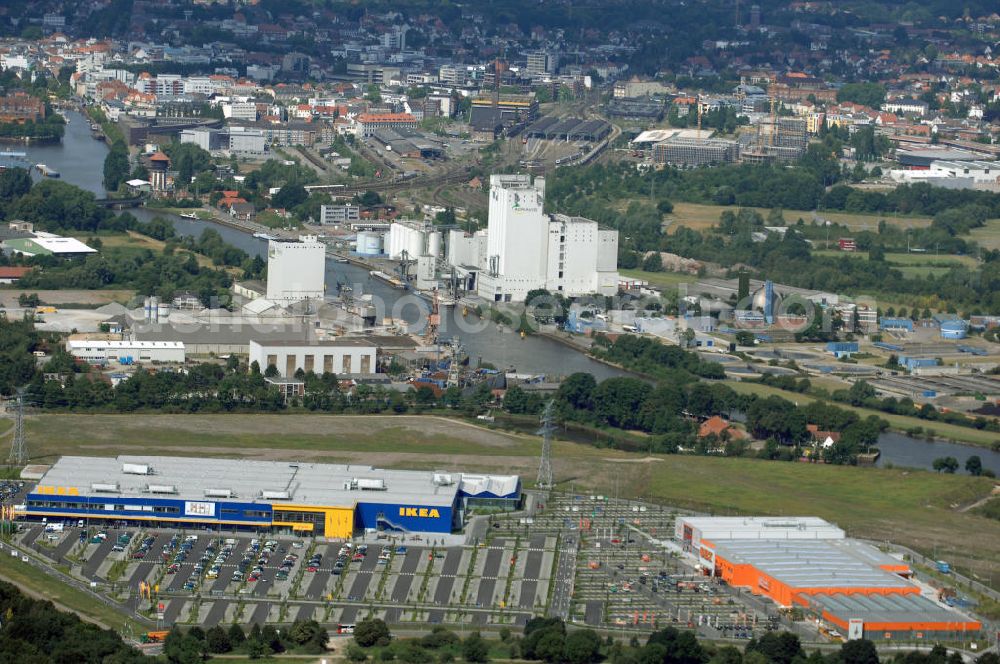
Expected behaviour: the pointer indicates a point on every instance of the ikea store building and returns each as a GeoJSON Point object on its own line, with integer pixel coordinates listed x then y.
{"type": "Point", "coordinates": [325, 500]}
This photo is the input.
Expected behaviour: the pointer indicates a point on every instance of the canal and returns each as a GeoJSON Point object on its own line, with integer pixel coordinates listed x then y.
{"type": "Point", "coordinates": [80, 160]}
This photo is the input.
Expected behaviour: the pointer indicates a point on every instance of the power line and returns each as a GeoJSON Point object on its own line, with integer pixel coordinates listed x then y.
{"type": "Point", "coordinates": [18, 448]}
{"type": "Point", "coordinates": [544, 480]}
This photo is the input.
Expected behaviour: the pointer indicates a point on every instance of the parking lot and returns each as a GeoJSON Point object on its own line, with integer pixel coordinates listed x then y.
{"type": "Point", "coordinates": [589, 559]}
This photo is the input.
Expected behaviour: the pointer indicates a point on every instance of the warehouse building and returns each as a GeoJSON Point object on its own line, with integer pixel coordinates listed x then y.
{"type": "Point", "coordinates": [346, 355]}
{"type": "Point", "coordinates": [810, 563]}
{"type": "Point", "coordinates": [126, 352]}
{"type": "Point", "coordinates": [324, 500]}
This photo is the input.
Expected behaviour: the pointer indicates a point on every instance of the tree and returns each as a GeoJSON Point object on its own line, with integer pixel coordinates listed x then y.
{"type": "Point", "coordinates": [681, 647]}
{"type": "Point", "coordinates": [218, 640]}
{"type": "Point", "coordinates": [582, 647]}
{"type": "Point", "coordinates": [653, 262]}
{"type": "Point", "coordinates": [974, 465]}
{"type": "Point", "coordinates": [778, 648]}
{"type": "Point", "coordinates": [475, 648]}
{"type": "Point", "coordinates": [14, 183]}
{"type": "Point", "coordinates": [859, 651]}
{"type": "Point", "coordinates": [290, 196]}
{"type": "Point", "coordinates": [369, 199]}
{"type": "Point", "coordinates": [236, 635]}
{"type": "Point", "coordinates": [578, 390]}
{"type": "Point", "coordinates": [116, 168]}
{"type": "Point", "coordinates": [372, 632]}
{"type": "Point", "coordinates": [945, 464]}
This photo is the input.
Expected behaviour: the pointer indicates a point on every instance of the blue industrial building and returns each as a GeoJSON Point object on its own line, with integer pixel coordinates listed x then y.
{"type": "Point", "coordinates": [954, 329]}
{"type": "Point", "coordinates": [896, 324]}
{"type": "Point", "coordinates": [320, 499]}
{"type": "Point", "coordinates": [842, 348]}
{"type": "Point", "coordinates": [911, 363]}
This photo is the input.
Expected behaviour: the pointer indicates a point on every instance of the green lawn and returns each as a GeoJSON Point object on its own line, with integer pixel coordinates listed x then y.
{"type": "Point", "coordinates": [700, 217]}
{"type": "Point", "coordinates": [988, 236]}
{"type": "Point", "coordinates": [234, 435]}
{"type": "Point", "coordinates": [64, 596]}
{"type": "Point", "coordinates": [662, 280]}
{"type": "Point", "coordinates": [900, 422]}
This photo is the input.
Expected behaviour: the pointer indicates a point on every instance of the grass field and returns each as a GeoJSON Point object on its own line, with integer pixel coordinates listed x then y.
{"type": "Point", "coordinates": [65, 597]}
{"type": "Point", "coordinates": [988, 236]}
{"type": "Point", "coordinates": [662, 280]}
{"type": "Point", "coordinates": [700, 217]}
{"type": "Point", "coordinates": [131, 241]}
{"type": "Point", "coordinates": [913, 507]}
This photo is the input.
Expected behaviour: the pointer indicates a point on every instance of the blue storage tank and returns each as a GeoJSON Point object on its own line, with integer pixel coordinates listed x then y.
{"type": "Point", "coordinates": [953, 329]}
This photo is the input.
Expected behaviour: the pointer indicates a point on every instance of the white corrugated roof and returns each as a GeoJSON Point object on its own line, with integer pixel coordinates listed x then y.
{"type": "Point", "coordinates": [58, 244]}
{"type": "Point", "coordinates": [117, 345]}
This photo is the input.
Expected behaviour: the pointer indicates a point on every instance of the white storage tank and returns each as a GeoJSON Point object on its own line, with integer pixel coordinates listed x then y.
{"type": "Point", "coordinates": [434, 244]}
{"type": "Point", "coordinates": [369, 243]}
{"type": "Point", "coordinates": [162, 310]}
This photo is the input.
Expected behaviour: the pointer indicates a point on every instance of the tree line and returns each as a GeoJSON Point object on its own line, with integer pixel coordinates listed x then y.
{"type": "Point", "coordinates": [34, 632]}
{"type": "Point", "coordinates": [551, 640]}
{"type": "Point", "coordinates": [670, 412]}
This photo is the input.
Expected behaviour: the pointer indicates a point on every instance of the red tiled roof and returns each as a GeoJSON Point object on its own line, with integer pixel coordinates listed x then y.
{"type": "Point", "coordinates": [13, 272]}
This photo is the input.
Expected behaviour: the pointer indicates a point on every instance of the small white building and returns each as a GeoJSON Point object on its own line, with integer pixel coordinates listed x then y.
{"type": "Point", "coordinates": [126, 352]}
{"type": "Point", "coordinates": [296, 270]}
{"type": "Point", "coordinates": [345, 355]}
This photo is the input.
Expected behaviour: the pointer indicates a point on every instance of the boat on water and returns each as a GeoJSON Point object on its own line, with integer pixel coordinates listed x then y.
{"type": "Point", "coordinates": [264, 236]}
{"type": "Point", "coordinates": [387, 278]}
{"type": "Point", "coordinates": [189, 215]}
{"type": "Point", "coordinates": [46, 171]}
{"type": "Point", "coordinates": [339, 259]}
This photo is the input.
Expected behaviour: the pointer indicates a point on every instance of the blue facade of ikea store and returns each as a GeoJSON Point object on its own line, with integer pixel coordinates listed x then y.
{"type": "Point", "coordinates": [194, 513]}
{"type": "Point", "coordinates": [411, 517]}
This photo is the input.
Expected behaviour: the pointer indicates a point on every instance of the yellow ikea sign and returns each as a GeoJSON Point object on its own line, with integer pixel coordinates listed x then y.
{"type": "Point", "coordinates": [57, 490]}
{"type": "Point", "coordinates": [421, 512]}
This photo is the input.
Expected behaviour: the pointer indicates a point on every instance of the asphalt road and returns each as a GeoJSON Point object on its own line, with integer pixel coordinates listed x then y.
{"type": "Point", "coordinates": [562, 581]}
{"type": "Point", "coordinates": [217, 613]}
{"type": "Point", "coordinates": [172, 610]}
{"type": "Point", "coordinates": [305, 612]}
{"type": "Point", "coordinates": [360, 585]}
{"type": "Point", "coordinates": [260, 613]}
{"type": "Point", "coordinates": [594, 612]}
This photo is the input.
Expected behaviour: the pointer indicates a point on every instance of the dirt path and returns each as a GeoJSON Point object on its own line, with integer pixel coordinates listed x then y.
{"type": "Point", "coordinates": [981, 501]}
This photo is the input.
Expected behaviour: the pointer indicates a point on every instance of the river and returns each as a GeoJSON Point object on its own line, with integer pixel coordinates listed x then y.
{"type": "Point", "coordinates": [80, 160]}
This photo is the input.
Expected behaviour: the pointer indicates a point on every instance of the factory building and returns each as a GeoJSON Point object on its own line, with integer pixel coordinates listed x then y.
{"type": "Point", "coordinates": [809, 563]}
{"type": "Point", "coordinates": [126, 352]}
{"type": "Point", "coordinates": [528, 249]}
{"type": "Point", "coordinates": [339, 214]}
{"type": "Point", "coordinates": [346, 355]}
{"type": "Point", "coordinates": [296, 270]}
{"type": "Point", "coordinates": [325, 500]}
{"type": "Point", "coordinates": [686, 151]}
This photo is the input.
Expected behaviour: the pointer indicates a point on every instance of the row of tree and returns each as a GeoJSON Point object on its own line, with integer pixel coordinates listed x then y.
{"type": "Point", "coordinates": [195, 645]}
{"type": "Point", "coordinates": [549, 640]}
{"type": "Point", "coordinates": [670, 412]}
